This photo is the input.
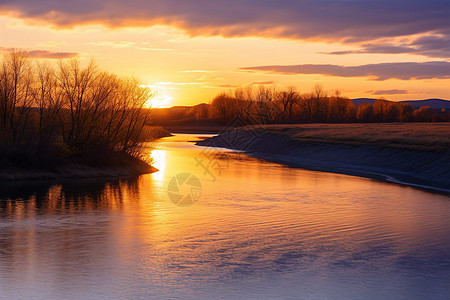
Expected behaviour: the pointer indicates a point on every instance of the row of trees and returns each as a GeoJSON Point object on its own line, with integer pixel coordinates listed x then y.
{"type": "Point", "coordinates": [265, 105]}
{"type": "Point", "coordinates": [47, 108]}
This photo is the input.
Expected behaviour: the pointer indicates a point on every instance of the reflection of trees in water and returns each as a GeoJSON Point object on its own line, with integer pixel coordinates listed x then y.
{"type": "Point", "coordinates": [22, 199]}
{"type": "Point", "coordinates": [60, 228]}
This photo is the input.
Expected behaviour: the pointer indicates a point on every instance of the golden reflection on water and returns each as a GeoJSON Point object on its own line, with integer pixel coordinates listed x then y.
{"type": "Point", "coordinates": [257, 223]}
{"type": "Point", "coordinates": [159, 162]}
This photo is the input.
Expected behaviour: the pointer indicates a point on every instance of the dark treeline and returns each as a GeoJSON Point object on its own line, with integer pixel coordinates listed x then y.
{"type": "Point", "coordinates": [51, 112]}
{"type": "Point", "coordinates": [268, 105]}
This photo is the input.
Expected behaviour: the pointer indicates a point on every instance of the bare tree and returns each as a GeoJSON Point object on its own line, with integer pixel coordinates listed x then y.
{"type": "Point", "coordinates": [15, 101]}
{"type": "Point", "coordinates": [138, 97]}
{"type": "Point", "coordinates": [48, 101]}
{"type": "Point", "coordinates": [76, 82]}
{"type": "Point", "coordinates": [244, 102]}
{"type": "Point", "coordinates": [365, 113]}
{"type": "Point", "coordinates": [288, 98]}
{"type": "Point", "coordinates": [341, 109]}
{"type": "Point", "coordinates": [222, 107]}
{"type": "Point", "coordinates": [266, 109]}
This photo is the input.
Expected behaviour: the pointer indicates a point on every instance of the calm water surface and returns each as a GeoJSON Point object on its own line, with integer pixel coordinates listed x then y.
{"type": "Point", "coordinates": [259, 230]}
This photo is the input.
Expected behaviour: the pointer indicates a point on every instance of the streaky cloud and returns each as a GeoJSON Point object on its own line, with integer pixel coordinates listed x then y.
{"type": "Point", "coordinates": [227, 85]}
{"type": "Point", "coordinates": [381, 71]}
{"type": "Point", "coordinates": [389, 92]}
{"type": "Point", "coordinates": [262, 82]}
{"type": "Point", "coordinates": [428, 45]}
{"type": "Point", "coordinates": [51, 55]}
{"type": "Point", "coordinates": [44, 54]}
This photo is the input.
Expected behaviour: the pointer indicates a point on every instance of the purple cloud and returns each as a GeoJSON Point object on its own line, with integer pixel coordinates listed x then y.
{"type": "Point", "coordinates": [389, 92]}
{"type": "Point", "coordinates": [431, 46]}
{"type": "Point", "coordinates": [50, 54]}
{"type": "Point", "coordinates": [44, 53]}
{"type": "Point", "coordinates": [382, 71]}
{"type": "Point", "coordinates": [350, 20]}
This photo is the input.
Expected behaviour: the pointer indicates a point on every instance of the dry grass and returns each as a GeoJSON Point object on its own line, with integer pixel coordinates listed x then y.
{"type": "Point", "coordinates": [151, 133]}
{"type": "Point", "coordinates": [413, 136]}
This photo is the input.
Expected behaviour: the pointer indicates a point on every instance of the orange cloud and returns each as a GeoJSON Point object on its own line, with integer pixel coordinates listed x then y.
{"type": "Point", "coordinates": [44, 54]}
{"type": "Point", "coordinates": [262, 82]}
{"type": "Point", "coordinates": [227, 85]}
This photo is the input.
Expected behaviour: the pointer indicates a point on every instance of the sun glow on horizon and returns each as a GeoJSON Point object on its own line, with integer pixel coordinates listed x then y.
{"type": "Point", "coordinates": [161, 97]}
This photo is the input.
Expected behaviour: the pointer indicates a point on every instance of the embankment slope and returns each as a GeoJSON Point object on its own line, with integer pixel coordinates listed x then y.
{"type": "Point", "coordinates": [412, 154]}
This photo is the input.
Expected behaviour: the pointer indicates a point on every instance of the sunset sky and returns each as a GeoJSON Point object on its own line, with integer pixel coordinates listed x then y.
{"type": "Point", "coordinates": [190, 50]}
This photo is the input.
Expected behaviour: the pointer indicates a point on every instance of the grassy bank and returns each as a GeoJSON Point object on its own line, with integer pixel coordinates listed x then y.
{"type": "Point", "coordinates": [411, 136]}
{"type": "Point", "coordinates": [411, 154]}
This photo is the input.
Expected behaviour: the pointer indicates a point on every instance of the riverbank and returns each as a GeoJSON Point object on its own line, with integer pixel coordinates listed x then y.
{"type": "Point", "coordinates": [73, 172]}
{"type": "Point", "coordinates": [115, 164]}
{"type": "Point", "coordinates": [88, 164]}
{"type": "Point", "coordinates": [411, 154]}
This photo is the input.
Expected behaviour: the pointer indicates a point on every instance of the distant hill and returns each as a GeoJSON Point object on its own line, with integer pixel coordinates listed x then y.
{"type": "Point", "coordinates": [359, 101]}
{"type": "Point", "coordinates": [177, 114]}
{"type": "Point", "coordinates": [433, 103]}
{"type": "Point", "coordinates": [187, 119]}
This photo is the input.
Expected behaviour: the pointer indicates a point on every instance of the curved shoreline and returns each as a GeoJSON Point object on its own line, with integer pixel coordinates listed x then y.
{"type": "Point", "coordinates": [420, 169]}
{"type": "Point", "coordinates": [74, 172]}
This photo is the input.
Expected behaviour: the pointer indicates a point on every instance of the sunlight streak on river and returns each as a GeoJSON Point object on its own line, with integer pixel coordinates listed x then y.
{"type": "Point", "coordinates": [159, 162]}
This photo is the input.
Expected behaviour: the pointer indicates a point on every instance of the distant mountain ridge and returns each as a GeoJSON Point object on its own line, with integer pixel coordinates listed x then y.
{"type": "Point", "coordinates": [433, 103]}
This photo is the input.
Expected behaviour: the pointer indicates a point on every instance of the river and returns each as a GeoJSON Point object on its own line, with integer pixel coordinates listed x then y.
{"type": "Point", "coordinates": [217, 224]}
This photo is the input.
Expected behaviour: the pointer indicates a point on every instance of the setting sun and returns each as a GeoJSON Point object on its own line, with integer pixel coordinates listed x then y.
{"type": "Point", "coordinates": [160, 101]}
{"type": "Point", "coordinates": [160, 98]}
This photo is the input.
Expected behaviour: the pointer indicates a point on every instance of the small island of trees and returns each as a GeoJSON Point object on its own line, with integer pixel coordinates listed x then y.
{"type": "Point", "coordinates": [56, 114]}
